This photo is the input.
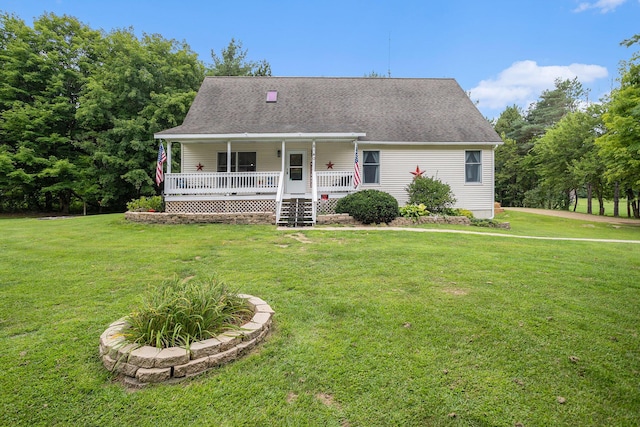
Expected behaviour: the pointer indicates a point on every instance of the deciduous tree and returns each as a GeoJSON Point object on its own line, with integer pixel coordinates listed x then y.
{"type": "Point", "coordinates": [620, 145]}
{"type": "Point", "coordinates": [143, 86]}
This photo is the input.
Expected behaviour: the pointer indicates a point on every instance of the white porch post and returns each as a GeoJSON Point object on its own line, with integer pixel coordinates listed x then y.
{"type": "Point", "coordinates": [228, 180]}
{"type": "Point", "coordinates": [356, 166]}
{"type": "Point", "coordinates": [313, 156]}
{"type": "Point", "coordinates": [283, 155]}
{"type": "Point", "coordinates": [168, 156]}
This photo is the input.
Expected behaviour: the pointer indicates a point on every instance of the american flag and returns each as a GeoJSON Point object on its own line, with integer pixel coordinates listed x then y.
{"type": "Point", "coordinates": [356, 170]}
{"type": "Point", "coordinates": [162, 157]}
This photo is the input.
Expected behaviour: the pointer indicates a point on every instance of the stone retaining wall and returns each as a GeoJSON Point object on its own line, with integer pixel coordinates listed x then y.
{"type": "Point", "coordinates": [329, 219]}
{"type": "Point", "coordinates": [141, 365]}
{"type": "Point", "coordinates": [458, 220]}
{"type": "Point", "coordinates": [201, 218]}
{"type": "Point", "coordinates": [270, 218]}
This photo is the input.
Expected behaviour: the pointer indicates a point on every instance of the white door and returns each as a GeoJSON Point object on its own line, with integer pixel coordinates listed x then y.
{"type": "Point", "coordinates": [296, 174]}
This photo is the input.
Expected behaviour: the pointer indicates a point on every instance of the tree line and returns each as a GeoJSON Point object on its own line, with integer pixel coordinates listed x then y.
{"type": "Point", "coordinates": [564, 148]}
{"type": "Point", "coordinates": [79, 107]}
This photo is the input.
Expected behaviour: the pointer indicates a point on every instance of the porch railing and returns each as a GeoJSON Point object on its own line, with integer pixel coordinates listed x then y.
{"type": "Point", "coordinates": [334, 181]}
{"type": "Point", "coordinates": [221, 183]}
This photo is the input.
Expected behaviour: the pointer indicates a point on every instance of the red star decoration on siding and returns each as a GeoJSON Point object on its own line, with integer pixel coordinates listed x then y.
{"type": "Point", "coordinates": [329, 165]}
{"type": "Point", "coordinates": [417, 172]}
{"type": "Point", "coordinates": [199, 166]}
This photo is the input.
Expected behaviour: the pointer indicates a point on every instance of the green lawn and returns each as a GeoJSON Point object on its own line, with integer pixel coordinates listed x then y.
{"type": "Point", "coordinates": [372, 328]}
{"type": "Point", "coordinates": [608, 207]}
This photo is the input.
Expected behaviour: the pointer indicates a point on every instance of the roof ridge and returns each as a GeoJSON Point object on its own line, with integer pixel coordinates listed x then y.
{"type": "Point", "coordinates": [330, 77]}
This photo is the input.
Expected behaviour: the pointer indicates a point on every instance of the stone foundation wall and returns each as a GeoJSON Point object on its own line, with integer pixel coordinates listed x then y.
{"type": "Point", "coordinates": [201, 218]}
{"type": "Point", "coordinates": [269, 218]}
{"type": "Point", "coordinates": [142, 365]}
{"type": "Point", "coordinates": [336, 219]}
{"type": "Point", "coordinates": [457, 220]}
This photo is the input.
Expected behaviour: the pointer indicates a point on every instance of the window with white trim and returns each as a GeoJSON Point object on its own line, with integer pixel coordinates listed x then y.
{"type": "Point", "coordinates": [473, 166]}
{"type": "Point", "coordinates": [240, 161]}
{"type": "Point", "coordinates": [371, 167]}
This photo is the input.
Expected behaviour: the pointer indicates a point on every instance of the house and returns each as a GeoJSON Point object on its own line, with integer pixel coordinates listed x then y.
{"type": "Point", "coordinates": [293, 145]}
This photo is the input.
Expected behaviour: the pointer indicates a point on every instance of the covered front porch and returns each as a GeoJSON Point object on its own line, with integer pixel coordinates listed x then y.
{"type": "Point", "coordinates": [261, 176]}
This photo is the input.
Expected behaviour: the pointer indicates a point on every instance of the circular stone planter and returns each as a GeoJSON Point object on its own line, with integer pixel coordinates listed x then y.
{"type": "Point", "coordinates": [142, 365]}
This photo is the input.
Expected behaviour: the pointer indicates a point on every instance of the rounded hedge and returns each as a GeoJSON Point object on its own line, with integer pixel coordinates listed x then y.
{"type": "Point", "coordinates": [369, 206]}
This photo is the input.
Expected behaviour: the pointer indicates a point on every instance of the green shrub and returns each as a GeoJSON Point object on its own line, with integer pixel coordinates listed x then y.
{"type": "Point", "coordinates": [146, 204]}
{"type": "Point", "coordinates": [369, 206]}
{"type": "Point", "coordinates": [414, 211]}
{"type": "Point", "coordinates": [431, 192]}
{"type": "Point", "coordinates": [178, 313]}
{"type": "Point", "coordinates": [457, 212]}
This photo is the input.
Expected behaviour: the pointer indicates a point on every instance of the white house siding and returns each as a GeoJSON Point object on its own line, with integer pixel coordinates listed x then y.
{"type": "Point", "coordinates": [206, 154]}
{"type": "Point", "coordinates": [446, 163]}
{"type": "Point", "coordinates": [340, 154]}
{"type": "Point", "coordinates": [396, 164]}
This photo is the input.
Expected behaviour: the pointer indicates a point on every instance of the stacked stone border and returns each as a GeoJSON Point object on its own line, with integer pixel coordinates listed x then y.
{"type": "Point", "coordinates": [270, 218]}
{"type": "Point", "coordinates": [201, 218]}
{"type": "Point", "coordinates": [143, 365]}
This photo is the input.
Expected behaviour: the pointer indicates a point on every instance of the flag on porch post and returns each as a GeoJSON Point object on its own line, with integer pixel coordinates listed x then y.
{"type": "Point", "coordinates": [162, 157]}
{"type": "Point", "coordinates": [356, 170]}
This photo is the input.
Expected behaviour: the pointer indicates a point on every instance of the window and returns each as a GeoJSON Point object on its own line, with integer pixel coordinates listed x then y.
{"type": "Point", "coordinates": [371, 167]}
{"type": "Point", "coordinates": [473, 166]}
{"type": "Point", "coordinates": [240, 161]}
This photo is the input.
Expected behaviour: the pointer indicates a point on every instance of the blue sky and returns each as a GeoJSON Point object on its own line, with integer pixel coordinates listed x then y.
{"type": "Point", "coordinates": [504, 52]}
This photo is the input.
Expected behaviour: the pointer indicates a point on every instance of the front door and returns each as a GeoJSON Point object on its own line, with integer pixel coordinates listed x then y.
{"type": "Point", "coordinates": [296, 172]}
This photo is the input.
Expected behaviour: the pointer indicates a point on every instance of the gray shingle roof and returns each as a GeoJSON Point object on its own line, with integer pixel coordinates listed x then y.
{"type": "Point", "coordinates": [412, 110]}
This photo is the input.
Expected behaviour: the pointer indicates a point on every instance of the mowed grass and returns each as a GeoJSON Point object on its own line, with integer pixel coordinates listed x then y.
{"type": "Point", "coordinates": [372, 328]}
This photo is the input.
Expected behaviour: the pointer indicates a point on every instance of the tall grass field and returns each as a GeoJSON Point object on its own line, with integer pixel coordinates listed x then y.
{"type": "Point", "coordinates": [372, 327]}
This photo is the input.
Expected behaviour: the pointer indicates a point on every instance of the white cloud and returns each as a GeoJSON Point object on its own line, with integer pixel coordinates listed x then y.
{"type": "Point", "coordinates": [523, 82]}
{"type": "Point", "coordinates": [603, 5]}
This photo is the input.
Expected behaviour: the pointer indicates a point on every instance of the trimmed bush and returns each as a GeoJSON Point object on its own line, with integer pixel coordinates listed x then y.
{"type": "Point", "coordinates": [146, 204]}
{"type": "Point", "coordinates": [434, 194]}
{"type": "Point", "coordinates": [369, 206]}
{"type": "Point", "coordinates": [178, 313]}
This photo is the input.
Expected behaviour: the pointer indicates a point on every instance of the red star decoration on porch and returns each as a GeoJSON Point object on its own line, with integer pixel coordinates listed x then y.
{"type": "Point", "coordinates": [199, 166]}
{"type": "Point", "coordinates": [417, 172]}
{"type": "Point", "coordinates": [329, 165]}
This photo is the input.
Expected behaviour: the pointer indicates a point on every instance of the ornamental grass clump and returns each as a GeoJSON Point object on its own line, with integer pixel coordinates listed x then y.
{"type": "Point", "coordinates": [178, 313]}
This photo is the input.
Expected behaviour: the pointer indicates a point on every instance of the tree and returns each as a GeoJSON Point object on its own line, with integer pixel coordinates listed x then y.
{"type": "Point", "coordinates": [232, 62]}
{"type": "Point", "coordinates": [143, 86]}
{"type": "Point", "coordinates": [517, 180]}
{"type": "Point", "coordinates": [508, 173]}
{"type": "Point", "coordinates": [510, 119]}
{"type": "Point", "coordinates": [44, 72]}
{"type": "Point", "coordinates": [568, 158]}
{"type": "Point", "coordinates": [509, 159]}
{"type": "Point", "coordinates": [620, 145]}
{"type": "Point", "coordinates": [374, 75]}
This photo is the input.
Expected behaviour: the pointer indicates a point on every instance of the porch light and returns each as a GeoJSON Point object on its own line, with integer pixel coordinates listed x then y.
{"type": "Point", "coordinates": [279, 153]}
